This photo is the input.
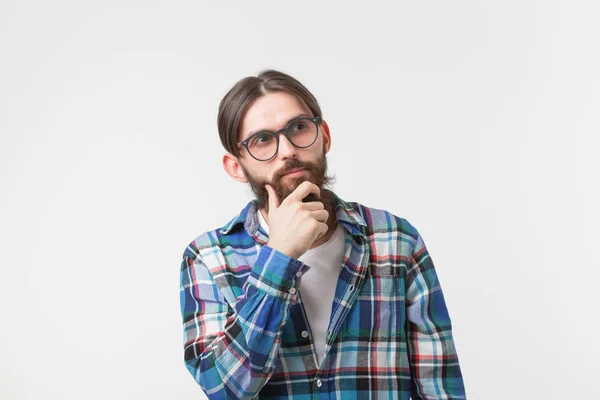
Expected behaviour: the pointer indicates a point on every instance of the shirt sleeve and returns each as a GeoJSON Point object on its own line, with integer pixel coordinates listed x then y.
{"type": "Point", "coordinates": [433, 359]}
{"type": "Point", "coordinates": [231, 353]}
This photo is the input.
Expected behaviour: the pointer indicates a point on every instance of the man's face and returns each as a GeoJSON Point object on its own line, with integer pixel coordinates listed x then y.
{"type": "Point", "coordinates": [272, 112]}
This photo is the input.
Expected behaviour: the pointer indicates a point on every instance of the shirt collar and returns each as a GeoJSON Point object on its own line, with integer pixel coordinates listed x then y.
{"type": "Point", "coordinates": [347, 214]}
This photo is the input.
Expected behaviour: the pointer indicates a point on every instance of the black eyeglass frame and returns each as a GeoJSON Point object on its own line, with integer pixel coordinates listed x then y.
{"type": "Point", "coordinates": [286, 132]}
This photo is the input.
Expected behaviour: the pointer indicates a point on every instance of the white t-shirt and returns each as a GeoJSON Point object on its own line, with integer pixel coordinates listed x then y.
{"type": "Point", "coordinates": [317, 287]}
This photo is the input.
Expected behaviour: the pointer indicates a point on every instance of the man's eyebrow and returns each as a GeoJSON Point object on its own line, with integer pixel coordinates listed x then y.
{"type": "Point", "coordinates": [286, 124]}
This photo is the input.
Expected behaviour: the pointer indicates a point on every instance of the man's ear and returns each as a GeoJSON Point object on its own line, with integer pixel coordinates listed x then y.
{"type": "Point", "coordinates": [326, 135]}
{"type": "Point", "coordinates": [233, 168]}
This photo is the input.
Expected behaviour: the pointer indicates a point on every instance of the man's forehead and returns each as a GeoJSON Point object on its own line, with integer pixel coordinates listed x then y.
{"type": "Point", "coordinates": [272, 111]}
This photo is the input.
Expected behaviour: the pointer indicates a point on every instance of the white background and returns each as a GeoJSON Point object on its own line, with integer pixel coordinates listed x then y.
{"type": "Point", "coordinates": [475, 120]}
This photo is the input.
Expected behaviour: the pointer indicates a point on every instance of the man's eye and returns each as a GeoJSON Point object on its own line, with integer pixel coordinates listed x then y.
{"type": "Point", "coordinates": [300, 126]}
{"type": "Point", "coordinates": [261, 139]}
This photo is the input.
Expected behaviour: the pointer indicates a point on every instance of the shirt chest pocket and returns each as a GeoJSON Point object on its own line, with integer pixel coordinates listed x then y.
{"type": "Point", "coordinates": [379, 309]}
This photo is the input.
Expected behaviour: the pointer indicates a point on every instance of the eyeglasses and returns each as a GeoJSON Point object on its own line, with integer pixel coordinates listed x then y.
{"type": "Point", "coordinates": [302, 132]}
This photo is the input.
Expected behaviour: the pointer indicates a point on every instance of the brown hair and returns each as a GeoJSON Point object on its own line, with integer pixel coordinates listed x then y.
{"type": "Point", "coordinates": [235, 103]}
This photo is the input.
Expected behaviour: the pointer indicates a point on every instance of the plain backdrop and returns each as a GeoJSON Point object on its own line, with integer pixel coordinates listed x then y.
{"type": "Point", "coordinates": [477, 121]}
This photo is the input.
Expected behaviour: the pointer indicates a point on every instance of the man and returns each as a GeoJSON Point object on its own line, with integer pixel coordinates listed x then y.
{"type": "Point", "coordinates": [304, 295]}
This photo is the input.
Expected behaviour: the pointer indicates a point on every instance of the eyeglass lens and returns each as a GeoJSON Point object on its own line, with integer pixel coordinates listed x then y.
{"type": "Point", "coordinates": [302, 133]}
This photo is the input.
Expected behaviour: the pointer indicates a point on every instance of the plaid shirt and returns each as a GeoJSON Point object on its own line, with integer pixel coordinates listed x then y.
{"type": "Point", "coordinates": [389, 336]}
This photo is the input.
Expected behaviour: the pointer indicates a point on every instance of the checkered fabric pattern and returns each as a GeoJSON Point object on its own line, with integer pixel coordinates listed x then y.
{"type": "Point", "coordinates": [389, 337]}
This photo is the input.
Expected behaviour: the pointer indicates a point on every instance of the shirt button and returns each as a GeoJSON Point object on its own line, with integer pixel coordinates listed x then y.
{"type": "Point", "coordinates": [319, 383]}
{"type": "Point", "coordinates": [293, 291]}
{"type": "Point", "coordinates": [298, 274]}
{"type": "Point", "coordinates": [304, 334]}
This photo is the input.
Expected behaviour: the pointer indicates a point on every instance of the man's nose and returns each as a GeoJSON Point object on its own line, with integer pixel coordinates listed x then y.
{"type": "Point", "coordinates": [286, 148]}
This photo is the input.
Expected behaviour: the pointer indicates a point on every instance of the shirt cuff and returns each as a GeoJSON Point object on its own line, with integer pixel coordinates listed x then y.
{"type": "Point", "coordinates": [277, 273]}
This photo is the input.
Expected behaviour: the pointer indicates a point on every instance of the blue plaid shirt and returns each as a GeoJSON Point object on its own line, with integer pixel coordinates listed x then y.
{"type": "Point", "coordinates": [389, 335]}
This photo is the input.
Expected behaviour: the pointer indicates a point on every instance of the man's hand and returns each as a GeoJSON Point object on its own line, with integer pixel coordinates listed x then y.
{"type": "Point", "coordinates": [293, 224]}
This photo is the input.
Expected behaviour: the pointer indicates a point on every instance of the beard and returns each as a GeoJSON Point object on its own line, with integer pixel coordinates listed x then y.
{"type": "Point", "coordinates": [314, 172]}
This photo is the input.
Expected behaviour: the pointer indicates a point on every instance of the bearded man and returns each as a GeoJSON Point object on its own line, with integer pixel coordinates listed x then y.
{"type": "Point", "coordinates": [302, 294]}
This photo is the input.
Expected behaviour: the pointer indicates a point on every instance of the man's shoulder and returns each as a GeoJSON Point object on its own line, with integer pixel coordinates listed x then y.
{"type": "Point", "coordinates": [215, 238]}
{"type": "Point", "coordinates": [384, 221]}
{"type": "Point", "coordinates": [200, 242]}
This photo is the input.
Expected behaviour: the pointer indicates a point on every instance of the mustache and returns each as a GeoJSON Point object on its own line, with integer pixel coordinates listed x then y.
{"type": "Point", "coordinates": [292, 164]}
